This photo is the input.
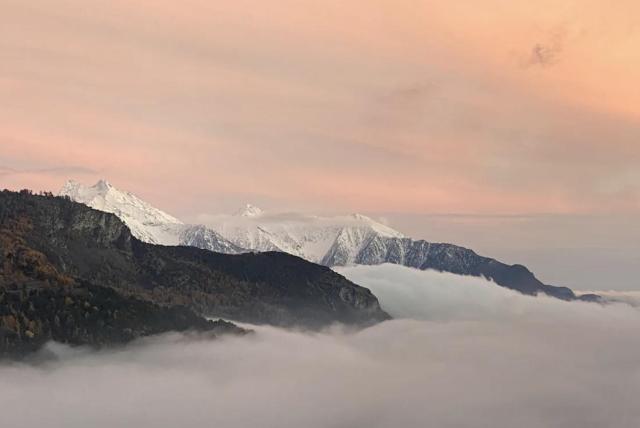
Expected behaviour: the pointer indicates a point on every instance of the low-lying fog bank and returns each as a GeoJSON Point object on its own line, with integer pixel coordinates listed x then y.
{"type": "Point", "coordinates": [462, 353]}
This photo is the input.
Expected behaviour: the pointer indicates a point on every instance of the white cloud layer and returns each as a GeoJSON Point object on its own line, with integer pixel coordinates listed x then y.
{"type": "Point", "coordinates": [465, 354]}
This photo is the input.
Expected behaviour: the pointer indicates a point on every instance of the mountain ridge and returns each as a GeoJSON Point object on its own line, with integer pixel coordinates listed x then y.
{"type": "Point", "coordinates": [262, 288]}
{"type": "Point", "coordinates": [354, 239]}
{"type": "Point", "coordinates": [145, 221]}
{"type": "Point", "coordinates": [41, 301]}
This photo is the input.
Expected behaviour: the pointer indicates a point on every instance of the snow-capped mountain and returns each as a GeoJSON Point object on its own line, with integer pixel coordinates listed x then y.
{"type": "Point", "coordinates": [249, 211]}
{"type": "Point", "coordinates": [147, 223]}
{"type": "Point", "coordinates": [358, 239]}
{"type": "Point", "coordinates": [331, 241]}
{"type": "Point", "coordinates": [338, 240]}
{"type": "Point", "coordinates": [326, 240]}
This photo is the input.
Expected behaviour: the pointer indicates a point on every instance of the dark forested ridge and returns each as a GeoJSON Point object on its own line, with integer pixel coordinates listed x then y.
{"type": "Point", "coordinates": [75, 274]}
{"type": "Point", "coordinates": [39, 303]}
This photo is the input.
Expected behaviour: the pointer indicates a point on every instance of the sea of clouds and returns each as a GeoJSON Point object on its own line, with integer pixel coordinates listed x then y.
{"type": "Point", "coordinates": [461, 352]}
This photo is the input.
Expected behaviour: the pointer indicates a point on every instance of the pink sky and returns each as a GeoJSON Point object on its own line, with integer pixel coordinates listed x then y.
{"type": "Point", "coordinates": [476, 107]}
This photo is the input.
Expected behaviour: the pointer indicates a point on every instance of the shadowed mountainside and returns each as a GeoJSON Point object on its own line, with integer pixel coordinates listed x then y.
{"type": "Point", "coordinates": [38, 303]}
{"type": "Point", "coordinates": [95, 247]}
{"type": "Point", "coordinates": [451, 258]}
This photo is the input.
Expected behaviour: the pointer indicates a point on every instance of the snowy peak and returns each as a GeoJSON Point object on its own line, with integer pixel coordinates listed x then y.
{"type": "Point", "coordinates": [332, 239]}
{"type": "Point", "coordinates": [105, 197]}
{"type": "Point", "coordinates": [146, 222]}
{"type": "Point", "coordinates": [77, 191]}
{"type": "Point", "coordinates": [249, 211]}
{"type": "Point", "coordinates": [70, 187]}
{"type": "Point", "coordinates": [379, 228]}
{"type": "Point", "coordinates": [307, 236]}
{"type": "Point", "coordinates": [103, 186]}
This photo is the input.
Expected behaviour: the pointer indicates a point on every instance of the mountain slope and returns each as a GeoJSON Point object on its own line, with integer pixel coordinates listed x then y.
{"type": "Point", "coordinates": [273, 288]}
{"type": "Point", "coordinates": [309, 237]}
{"type": "Point", "coordinates": [39, 302]}
{"type": "Point", "coordinates": [146, 222]}
{"type": "Point", "coordinates": [357, 239]}
{"type": "Point", "coordinates": [352, 239]}
{"type": "Point", "coordinates": [424, 255]}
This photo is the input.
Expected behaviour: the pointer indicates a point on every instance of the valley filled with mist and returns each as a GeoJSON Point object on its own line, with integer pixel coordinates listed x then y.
{"type": "Point", "coordinates": [319, 214]}
{"type": "Point", "coordinates": [460, 352]}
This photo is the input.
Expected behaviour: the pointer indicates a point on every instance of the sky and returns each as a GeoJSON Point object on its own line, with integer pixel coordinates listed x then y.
{"type": "Point", "coordinates": [461, 352]}
{"type": "Point", "coordinates": [412, 110]}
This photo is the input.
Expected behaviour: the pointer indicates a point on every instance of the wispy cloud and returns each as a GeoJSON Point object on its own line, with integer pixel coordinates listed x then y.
{"type": "Point", "coordinates": [60, 170]}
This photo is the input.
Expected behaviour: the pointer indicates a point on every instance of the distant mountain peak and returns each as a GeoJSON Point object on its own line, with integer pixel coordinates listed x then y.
{"type": "Point", "coordinates": [145, 221]}
{"type": "Point", "coordinates": [74, 187]}
{"type": "Point", "coordinates": [69, 187]}
{"type": "Point", "coordinates": [376, 226]}
{"type": "Point", "coordinates": [249, 211]}
{"type": "Point", "coordinates": [332, 241]}
{"type": "Point", "coordinates": [358, 216]}
{"type": "Point", "coordinates": [102, 185]}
